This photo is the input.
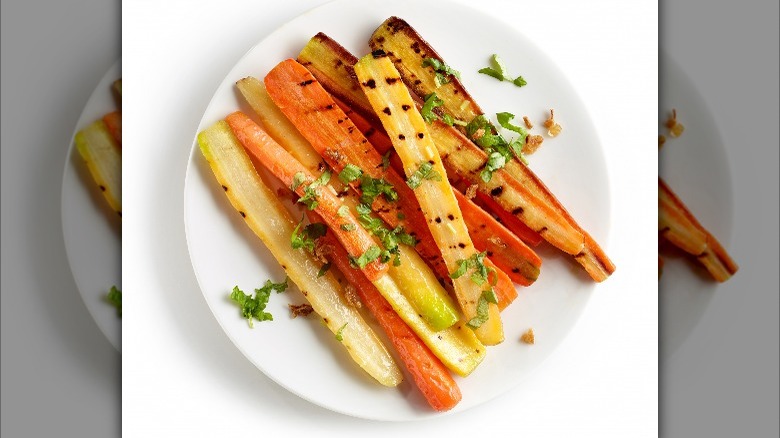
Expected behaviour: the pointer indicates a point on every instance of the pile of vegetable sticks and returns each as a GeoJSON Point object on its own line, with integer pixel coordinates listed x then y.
{"type": "Point", "coordinates": [100, 146]}
{"type": "Point", "coordinates": [433, 266]}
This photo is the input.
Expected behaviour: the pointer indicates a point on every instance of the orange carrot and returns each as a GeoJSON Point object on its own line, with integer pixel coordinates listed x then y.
{"type": "Point", "coordinates": [113, 122]}
{"type": "Point", "coordinates": [429, 374]}
{"type": "Point", "coordinates": [507, 219]}
{"type": "Point", "coordinates": [279, 162]}
{"type": "Point", "coordinates": [508, 252]}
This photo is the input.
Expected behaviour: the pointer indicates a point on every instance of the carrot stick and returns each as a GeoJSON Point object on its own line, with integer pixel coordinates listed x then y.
{"type": "Point", "coordinates": [279, 162]}
{"type": "Point", "coordinates": [510, 221]}
{"type": "Point", "coordinates": [113, 122]}
{"type": "Point", "coordinates": [429, 374]}
{"type": "Point", "coordinates": [508, 252]}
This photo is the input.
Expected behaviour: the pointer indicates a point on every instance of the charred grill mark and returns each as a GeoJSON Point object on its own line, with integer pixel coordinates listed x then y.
{"type": "Point", "coordinates": [391, 81]}
{"type": "Point", "coordinates": [461, 245]}
{"type": "Point", "coordinates": [451, 217]}
{"type": "Point", "coordinates": [542, 230]}
{"type": "Point", "coordinates": [438, 220]}
{"type": "Point", "coordinates": [387, 110]}
{"type": "Point", "coordinates": [518, 210]}
{"type": "Point", "coordinates": [225, 188]}
{"type": "Point", "coordinates": [329, 107]}
{"type": "Point", "coordinates": [415, 46]}
{"type": "Point", "coordinates": [496, 192]}
{"type": "Point", "coordinates": [405, 107]}
{"type": "Point", "coordinates": [242, 214]}
{"type": "Point", "coordinates": [370, 84]}
{"type": "Point", "coordinates": [306, 82]}
{"type": "Point", "coordinates": [401, 137]}
{"type": "Point", "coordinates": [421, 135]}
{"type": "Point", "coordinates": [370, 132]}
{"type": "Point", "coordinates": [102, 188]}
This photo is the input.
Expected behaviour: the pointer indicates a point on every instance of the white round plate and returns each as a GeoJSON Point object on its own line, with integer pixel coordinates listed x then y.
{"type": "Point", "coordinates": [92, 230]}
{"type": "Point", "coordinates": [695, 166]}
{"type": "Point", "coordinates": [302, 356]}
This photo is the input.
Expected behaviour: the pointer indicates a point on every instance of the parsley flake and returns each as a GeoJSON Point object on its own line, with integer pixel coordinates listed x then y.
{"type": "Point", "coordinates": [307, 238]}
{"type": "Point", "coordinates": [442, 70]}
{"type": "Point", "coordinates": [425, 171]}
{"type": "Point", "coordinates": [373, 187]}
{"type": "Point", "coordinates": [367, 257]}
{"type": "Point", "coordinates": [323, 270]}
{"type": "Point", "coordinates": [350, 173]}
{"type": "Point", "coordinates": [340, 332]}
{"type": "Point", "coordinates": [253, 308]}
{"type": "Point", "coordinates": [498, 71]}
{"type": "Point", "coordinates": [310, 193]}
{"type": "Point", "coordinates": [483, 308]}
{"type": "Point", "coordinates": [114, 297]}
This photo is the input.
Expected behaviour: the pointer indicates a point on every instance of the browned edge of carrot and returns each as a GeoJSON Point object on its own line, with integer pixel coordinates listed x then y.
{"type": "Point", "coordinates": [429, 374]}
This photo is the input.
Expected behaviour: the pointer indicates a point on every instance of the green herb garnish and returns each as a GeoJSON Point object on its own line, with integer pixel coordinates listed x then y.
{"type": "Point", "coordinates": [425, 171]}
{"type": "Point", "coordinates": [348, 227]}
{"type": "Point", "coordinates": [483, 307]}
{"type": "Point", "coordinates": [298, 179]}
{"type": "Point", "coordinates": [309, 197]}
{"type": "Point", "coordinates": [443, 71]}
{"type": "Point", "coordinates": [477, 263]}
{"type": "Point", "coordinates": [386, 160]}
{"type": "Point", "coordinates": [342, 211]}
{"type": "Point", "coordinates": [254, 308]}
{"type": "Point", "coordinates": [340, 333]}
{"type": "Point", "coordinates": [367, 257]}
{"type": "Point", "coordinates": [350, 173]}
{"type": "Point", "coordinates": [485, 135]}
{"type": "Point", "coordinates": [498, 71]}
{"type": "Point", "coordinates": [114, 297]}
{"type": "Point", "coordinates": [373, 187]}
{"type": "Point", "coordinates": [389, 238]}
{"type": "Point", "coordinates": [307, 238]}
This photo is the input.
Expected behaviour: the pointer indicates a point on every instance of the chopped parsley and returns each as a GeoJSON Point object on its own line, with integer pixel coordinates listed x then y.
{"type": "Point", "coordinates": [477, 263]}
{"type": "Point", "coordinates": [498, 71]}
{"type": "Point", "coordinates": [298, 179]}
{"type": "Point", "coordinates": [370, 187]}
{"type": "Point", "coordinates": [310, 195]}
{"type": "Point", "coordinates": [425, 171]}
{"type": "Point", "coordinates": [342, 211]}
{"type": "Point", "coordinates": [499, 150]}
{"type": "Point", "coordinates": [114, 297]}
{"type": "Point", "coordinates": [389, 238]}
{"type": "Point", "coordinates": [350, 173]}
{"type": "Point", "coordinates": [483, 307]}
{"type": "Point", "coordinates": [307, 238]}
{"type": "Point", "coordinates": [253, 308]}
{"type": "Point", "coordinates": [443, 71]}
{"type": "Point", "coordinates": [348, 227]}
{"type": "Point", "coordinates": [373, 187]}
{"type": "Point", "coordinates": [367, 257]}
{"type": "Point", "coordinates": [340, 333]}
{"type": "Point", "coordinates": [432, 101]}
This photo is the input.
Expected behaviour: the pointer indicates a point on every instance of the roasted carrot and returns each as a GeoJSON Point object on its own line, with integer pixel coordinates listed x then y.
{"type": "Point", "coordinates": [113, 122]}
{"type": "Point", "coordinates": [678, 225]}
{"type": "Point", "coordinates": [279, 162]}
{"type": "Point", "coordinates": [429, 374]}
{"type": "Point", "coordinates": [507, 219]}
{"type": "Point", "coordinates": [503, 248]}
